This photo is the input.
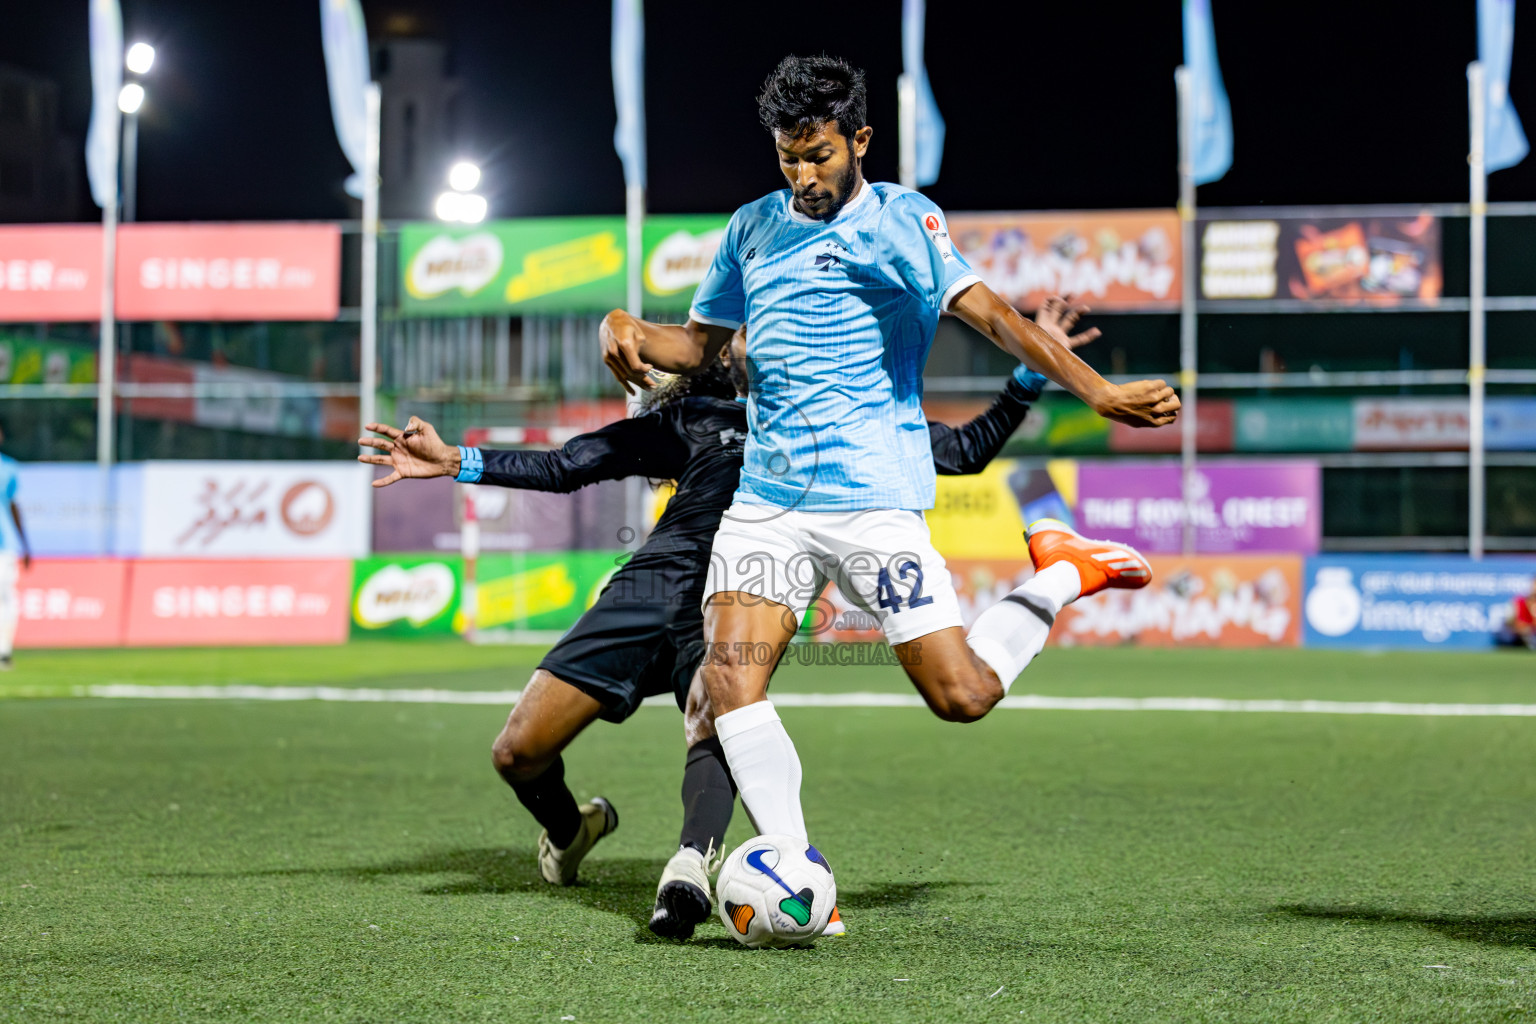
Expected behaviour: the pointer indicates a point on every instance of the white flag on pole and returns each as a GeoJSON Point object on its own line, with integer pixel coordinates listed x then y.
{"type": "Point", "coordinates": [106, 83]}
{"type": "Point", "coordinates": [929, 128]}
{"type": "Point", "coordinates": [629, 88]}
{"type": "Point", "coordinates": [1505, 143]}
{"type": "Point", "coordinates": [345, 39]}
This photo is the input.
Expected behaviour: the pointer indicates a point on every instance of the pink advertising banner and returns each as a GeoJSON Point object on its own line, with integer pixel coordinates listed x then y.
{"type": "Point", "coordinates": [71, 602]}
{"type": "Point", "coordinates": [1270, 506]}
{"type": "Point", "coordinates": [229, 271]}
{"type": "Point", "coordinates": [200, 603]}
{"type": "Point", "coordinates": [50, 272]}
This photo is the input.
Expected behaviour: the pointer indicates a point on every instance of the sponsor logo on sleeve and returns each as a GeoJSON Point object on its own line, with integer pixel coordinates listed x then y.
{"type": "Point", "coordinates": [939, 236]}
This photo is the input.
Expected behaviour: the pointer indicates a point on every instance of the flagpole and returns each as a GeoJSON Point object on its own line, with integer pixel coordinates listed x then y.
{"type": "Point", "coordinates": [1477, 97]}
{"type": "Point", "coordinates": [1188, 337]}
{"type": "Point", "coordinates": [369, 340]}
{"type": "Point", "coordinates": [106, 358]}
{"type": "Point", "coordinates": [634, 231]}
{"type": "Point", "coordinates": [634, 303]}
{"type": "Point", "coordinates": [627, 56]}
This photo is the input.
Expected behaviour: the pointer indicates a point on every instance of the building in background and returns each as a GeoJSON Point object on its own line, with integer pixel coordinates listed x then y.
{"type": "Point", "coordinates": [39, 173]}
{"type": "Point", "coordinates": [425, 115]}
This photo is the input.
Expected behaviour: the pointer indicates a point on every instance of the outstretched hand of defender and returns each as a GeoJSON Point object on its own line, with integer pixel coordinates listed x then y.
{"type": "Point", "coordinates": [413, 453]}
{"type": "Point", "coordinates": [622, 336]}
{"type": "Point", "coordinates": [1058, 314]}
{"type": "Point", "coordinates": [1141, 403]}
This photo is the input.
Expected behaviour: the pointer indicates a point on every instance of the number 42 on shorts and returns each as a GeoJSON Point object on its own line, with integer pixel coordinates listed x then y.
{"type": "Point", "coordinates": [886, 591]}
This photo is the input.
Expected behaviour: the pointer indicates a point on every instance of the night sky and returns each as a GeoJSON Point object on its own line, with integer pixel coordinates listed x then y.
{"type": "Point", "coordinates": [1049, 106]}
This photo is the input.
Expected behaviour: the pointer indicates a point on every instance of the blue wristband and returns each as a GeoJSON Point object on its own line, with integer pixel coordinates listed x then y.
{"type": "Point", "coordinates": [1029, 380]}
{"type": "Point", "coordinates": [471, 465]}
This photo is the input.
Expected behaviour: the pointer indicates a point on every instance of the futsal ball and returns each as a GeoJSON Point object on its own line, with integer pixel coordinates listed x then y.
{"type": "Point", "coordinates": [775, 891]}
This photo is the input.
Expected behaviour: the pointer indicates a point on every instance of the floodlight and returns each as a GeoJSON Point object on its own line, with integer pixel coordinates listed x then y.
{"type": "Point", "coordinates": [463, 176]}
{"type": "Point", "coordinates": [131, 98]}
{"type": "Point", "coordinates": [140, 58]}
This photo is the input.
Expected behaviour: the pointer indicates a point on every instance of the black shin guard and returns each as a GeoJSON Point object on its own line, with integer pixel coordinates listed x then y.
{"type": "Point", "coordinates": [550, 802]}
{"type": "Point", "coordinates": [709, 795]}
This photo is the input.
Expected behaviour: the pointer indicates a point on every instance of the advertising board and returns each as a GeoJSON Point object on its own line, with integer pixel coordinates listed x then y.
{"type": "Point", "coordinates": [202, 602]}
{"type": "Point", "coordinates": [72, 602]}
{"type": "Point", "coordinates": [1204, 601]}
{"type": "Point", "coordinates": [254, 510]}
{"type": "Point", "coordinates": [50, 272]}
{"type": "Point", "coordinates": [1412, 601]}
{"type": "Point", "coordinates": [1268, 506]}
{"type": "Point", "coordinates": [533, 265]}
{"type": "Point", "coordinates": [64, 507]}
{"type": "Point", "coordinates": [1381, 260]}
{"type": "Point", "coordinates": [228, 271]}
{"type": "Point", "coordinates": [1127, 259]}
{"type": "Point", "coordinates": [678, 249]}
{"type": "Point", "coordinates": [406, 595]}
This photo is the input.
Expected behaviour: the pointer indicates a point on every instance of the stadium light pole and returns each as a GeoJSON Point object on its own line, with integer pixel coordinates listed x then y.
{"type": "Point", "coordinates": [1477, 98]}
{"type": "Point", "coordinates": [138, 60]}
{"type": "Point", "coordinates": [130, 101]}
{"type": "Point", "coordinates": [1188, 324]}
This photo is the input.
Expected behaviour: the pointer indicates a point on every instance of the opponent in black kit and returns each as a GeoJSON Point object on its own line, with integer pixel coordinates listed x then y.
{"type": "Point", "coordinates": [644, 634]}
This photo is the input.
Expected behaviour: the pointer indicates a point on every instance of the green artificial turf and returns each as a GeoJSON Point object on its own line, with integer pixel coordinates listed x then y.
{"type": "Point", "coordinates": [253, 861]}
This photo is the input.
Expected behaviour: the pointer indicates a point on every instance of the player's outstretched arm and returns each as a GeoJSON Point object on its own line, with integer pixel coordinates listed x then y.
{"type": "Point", "coordinates": [960, 451]}
{"type": "Point", "coordinates": [1144, 403]}
{"type": "Point", "coordinates": [632, 348]}
{"type": "Point", "coordinates": [415, 453]}
{"type": "Point", "coordinates": [642, 446]}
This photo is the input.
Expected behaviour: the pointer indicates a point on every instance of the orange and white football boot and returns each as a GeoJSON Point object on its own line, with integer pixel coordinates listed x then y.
{"type": "Point", "coordinates": [1100, 564]}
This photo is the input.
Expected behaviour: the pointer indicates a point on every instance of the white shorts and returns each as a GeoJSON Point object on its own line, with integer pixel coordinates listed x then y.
{"type": "Point", "coordinates": [882, 560]}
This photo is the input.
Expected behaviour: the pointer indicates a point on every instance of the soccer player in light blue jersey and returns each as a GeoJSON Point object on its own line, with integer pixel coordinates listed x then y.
{"type": "Point", "coordinates": [14, 553]}
{"type": "Point", "coordinates": [841, 282]}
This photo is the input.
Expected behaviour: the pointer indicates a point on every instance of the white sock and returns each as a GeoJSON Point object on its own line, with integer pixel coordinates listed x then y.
{"type": "Point", "coordinates": [765, 766]}
{"type": "Point", "coordinates": [1008, 635]}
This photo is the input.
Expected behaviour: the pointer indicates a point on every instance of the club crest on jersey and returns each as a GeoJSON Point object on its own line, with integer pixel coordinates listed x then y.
{"type": "Point", "coordinates": [939, 236]}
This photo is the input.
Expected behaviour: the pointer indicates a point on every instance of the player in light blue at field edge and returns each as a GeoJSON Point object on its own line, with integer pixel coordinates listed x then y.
{"type": "Point", "coordinates": [13, 547]}
{"type": "Point", "coordinates": [842, 283]}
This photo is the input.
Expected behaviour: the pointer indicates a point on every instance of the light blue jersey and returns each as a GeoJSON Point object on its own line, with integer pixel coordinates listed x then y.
{"type": "Point", "coordinates": [840, 316]}
{"type": "Point", "coordinates": [10, 542]}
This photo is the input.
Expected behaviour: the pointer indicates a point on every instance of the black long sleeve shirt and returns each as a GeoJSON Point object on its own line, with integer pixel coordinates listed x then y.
{"type": "Point", "coordinates": [698, 443]}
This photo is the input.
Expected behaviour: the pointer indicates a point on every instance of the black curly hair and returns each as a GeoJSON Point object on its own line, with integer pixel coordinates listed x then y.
{"type": "Point", "coordinates": [804, 93]}
{"type": "Point", "coordinates": [716, 381]}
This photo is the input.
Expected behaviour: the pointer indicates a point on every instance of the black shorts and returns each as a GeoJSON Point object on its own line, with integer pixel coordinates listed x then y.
{"type": "Point", "coordinates": [644, 636]}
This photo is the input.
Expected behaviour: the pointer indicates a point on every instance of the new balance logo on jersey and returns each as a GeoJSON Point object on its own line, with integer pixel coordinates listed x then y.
{"type": "Point", "coordinates": [729, 437]}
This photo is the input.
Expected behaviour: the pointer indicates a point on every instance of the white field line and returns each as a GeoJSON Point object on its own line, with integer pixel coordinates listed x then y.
{"type": "Point", "coordinates": [1023, 702]}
